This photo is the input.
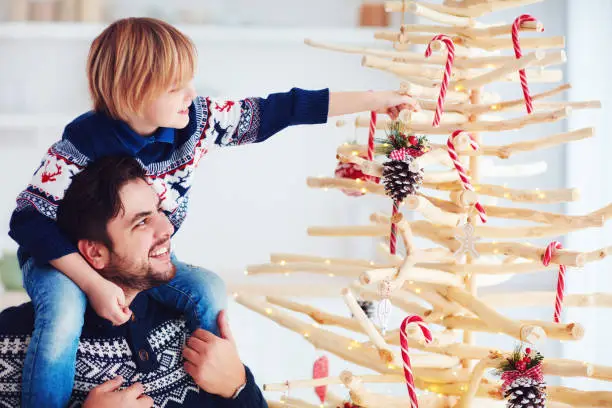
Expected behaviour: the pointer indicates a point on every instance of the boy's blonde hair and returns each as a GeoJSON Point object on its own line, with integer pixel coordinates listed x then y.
{"type": "Point", "coordinates": [134, 60]}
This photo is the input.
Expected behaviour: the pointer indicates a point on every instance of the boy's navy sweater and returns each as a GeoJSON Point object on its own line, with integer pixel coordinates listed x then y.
{"type": "Point", "coordinates": [169, 156]}
{"type": "Point", "coordinates": [146, 349]}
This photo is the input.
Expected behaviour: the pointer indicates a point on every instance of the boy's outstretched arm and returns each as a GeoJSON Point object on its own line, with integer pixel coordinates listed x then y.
{"type": "Point", "coordinates": [387, 102]}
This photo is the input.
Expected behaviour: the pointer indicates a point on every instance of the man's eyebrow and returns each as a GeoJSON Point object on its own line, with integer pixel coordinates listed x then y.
{"type": "Point", "coordinates": [140, 215]}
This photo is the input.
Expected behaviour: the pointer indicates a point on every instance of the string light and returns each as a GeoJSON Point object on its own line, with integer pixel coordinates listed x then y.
{"type": "Point", "coordinates": [364, 190]}
{"type": "Point", "coordinates": [286, 273]}
{"type": "Point", "coordinates": [494, 107]}
{"type": "Point", "coordinates": [268, 311]}
{"type": "Point", "coordinates": [331, 275]}
{"type": "Point", "coordinates": [282, 262]}
{"type": "Point", "coordinates": [306, 334]}
{"type": "Point", "coordinates": [354, 152]}
{"type": "Point", "coordinates": [418, 290]}
{"type": "Point", "coordinates": [327, 261]}
{"type": "Point", "coordinates": [459, 87]}
{"type": "Point", "coordinates": [246, 272]}
{"type": "Point", "coordinates": [235, 294]}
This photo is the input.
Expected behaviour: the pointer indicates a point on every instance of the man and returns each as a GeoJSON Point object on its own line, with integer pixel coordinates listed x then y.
{"type": "Point", "coordinates": [151, 360]}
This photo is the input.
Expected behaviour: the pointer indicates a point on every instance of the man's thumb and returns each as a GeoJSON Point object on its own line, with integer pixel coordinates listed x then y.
{"type": "Point", "coordinates": [224, 328]}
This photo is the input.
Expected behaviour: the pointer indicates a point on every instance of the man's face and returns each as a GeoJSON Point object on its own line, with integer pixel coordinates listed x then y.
{"type": "Point", "coordinates": [140, 233]}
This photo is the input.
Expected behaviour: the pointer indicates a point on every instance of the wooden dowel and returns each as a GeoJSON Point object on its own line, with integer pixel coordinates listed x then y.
{"type": "Point", "coordinates": [431, 212]}
{"type": "Point", "coordinates": [397, 298]}
{"type": "Point", "coordinates": [314, 267]}
{"type": "Point", "coordinates": [285, 257]}
{"type": "Point", "coordinates": [499, 73]}
{"type": "Point", "coordinates": [423, 11]}
{"type": "Point", "coordinates": [571, 331]}
{"type": "Point", "coordinates": [319, 316]}
{"type": "Point", "coordinates": [345, 183]}
{"type": "Point", "coordinates": [468, 32]}
{"type": "Point", "coordinates": [496, 321]}
{"type": "Point", "coordinates": [385, 353]}
{"type": "Point", "coordinates": [320, 338]}
{"type": "Point", "coordinates": [482, 269]}
{"type": "Point", "coordinates": [510, 124]}
{"type": "Point", "coordinates": [594, 219]}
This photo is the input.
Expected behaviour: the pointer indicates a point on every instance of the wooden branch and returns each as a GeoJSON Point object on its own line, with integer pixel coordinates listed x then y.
{"type": "Point", "coordinates": [467, 8]}
{"type": "Point", "coordinates": [467, 109]}
{"type": "Point", "coordinates": [398, 298]}
{"type": "Point", "coordinates": [499, 73]}
{"type": "Point", "coordinates": [369, 167]}
{"type": "Point", "coordinates": [487, 269]}
{"type": "Point", "coordinates": [422, 92]}
{"type": "Point", "coordinates": [532, 299]}
{"type": "Point", "coordinates": [318, 337]}
{"type": "Point", "coordinates": [432, 213]}
{"type": "Point", "coordinates": [594, 219]}
{"type": "Point", "coordinates": [518, 195]}
{"type": "Point", "coordinates": [345, 183]}
{"type": "Point", "coordinates": [313, 267]}
{"type": "Point", "coordinates": [385, 353]}
{"type": "Point", "coordinates": [284, 257]}
{"type": "Point", "coordinates": [571, 331]}
{"type": "Point", "coordinates": [488, 44]}
{"type": "Point", "coordinates": [413, 274]}
{"type": "Point", "coordinates": [424, 11]}
{"type": "Point", "coordinates": [487, 32]}
{"type": "Point", "coordinates": [319, 316]}
{"type": "Point", "coordinates": [478, 373]}
{"type": "Point", "coordinates": [510, 124]}
{"type": "Point", "coordinates": [496, 321]}
{"type": "Point", "coordinates": [461, 62]}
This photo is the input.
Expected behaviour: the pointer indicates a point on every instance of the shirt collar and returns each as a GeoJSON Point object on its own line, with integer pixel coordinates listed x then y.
{"type": "Point", "coordinates": [135, 142]}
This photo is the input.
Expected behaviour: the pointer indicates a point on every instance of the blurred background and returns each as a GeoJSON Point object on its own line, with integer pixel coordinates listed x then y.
{"type": "Point", "coordinates": [251, 201]}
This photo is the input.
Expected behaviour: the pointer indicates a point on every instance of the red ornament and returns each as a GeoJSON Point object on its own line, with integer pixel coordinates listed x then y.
{"type": "Point", "coordinates": [521, 365]}
{"type": "Point", "coordinates": [528, 351]}
{"type": "Point", "coordinates": [413, 140]}
{"type": "Point", "coordinates": [353, 172]}
{"type": "Point", "coordinates": [320, 369]}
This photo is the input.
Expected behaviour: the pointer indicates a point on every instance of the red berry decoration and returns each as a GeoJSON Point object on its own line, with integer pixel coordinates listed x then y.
{"type": "Point", "coordinates": [527, 351]}
{"type": "Point", "coordinates": [413, 140]}
{"type": "Point", "coordinates": [353, 172]}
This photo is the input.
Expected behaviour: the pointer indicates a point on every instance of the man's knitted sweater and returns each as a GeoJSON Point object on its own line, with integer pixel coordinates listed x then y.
{"type": "Point", "coordinates": [147, 349]}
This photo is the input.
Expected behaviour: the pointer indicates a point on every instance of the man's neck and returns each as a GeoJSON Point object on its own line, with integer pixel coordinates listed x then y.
{"type": "Point", "coordinates": [130, 295]}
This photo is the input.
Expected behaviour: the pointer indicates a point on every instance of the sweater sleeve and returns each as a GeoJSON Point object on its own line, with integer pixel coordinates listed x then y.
{"type": "Point", "coordinates": [250, 397]}
{"type": "Point", "coordinates": [32, 223]}
{"type": "Point", "coordinates": [253, 120]}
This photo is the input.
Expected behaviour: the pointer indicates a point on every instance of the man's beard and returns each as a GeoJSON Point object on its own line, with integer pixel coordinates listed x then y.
{"type": "Point", "coordinates": [135, 276]}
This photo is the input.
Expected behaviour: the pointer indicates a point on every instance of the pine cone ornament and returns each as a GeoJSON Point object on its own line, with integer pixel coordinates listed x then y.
{"type": "Point", "coordinates": [526, 392]}
{"type": "Point", "coordinates": [367, 307]}
{"type": "Point", "coordinates": [401, 178]}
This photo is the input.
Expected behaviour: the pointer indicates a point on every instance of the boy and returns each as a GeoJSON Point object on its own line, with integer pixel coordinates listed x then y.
{"type": "Point", "coordinates": [144, 105]}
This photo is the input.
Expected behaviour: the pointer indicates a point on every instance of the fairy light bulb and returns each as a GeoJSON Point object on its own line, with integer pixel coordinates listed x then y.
{"type": "Point", "coordinates": [282, 262]}
{"type": "Point", "coordinates": [246, 272]}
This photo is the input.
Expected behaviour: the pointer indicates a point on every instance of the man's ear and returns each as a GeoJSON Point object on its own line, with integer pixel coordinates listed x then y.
{"type": "Point", "coordinates": [95, 253]}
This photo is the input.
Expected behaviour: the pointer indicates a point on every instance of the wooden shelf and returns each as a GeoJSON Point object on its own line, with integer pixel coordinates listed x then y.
{"type": "Point", "coordinates": [199, 33]}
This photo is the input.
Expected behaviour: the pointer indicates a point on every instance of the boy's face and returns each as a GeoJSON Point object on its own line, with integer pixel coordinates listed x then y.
{"type": "Point", "coordinates": [171, 108]}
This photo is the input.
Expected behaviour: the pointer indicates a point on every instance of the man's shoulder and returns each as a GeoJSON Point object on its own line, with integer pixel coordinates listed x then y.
{"type": "Point", "coordinates": [17, 320]}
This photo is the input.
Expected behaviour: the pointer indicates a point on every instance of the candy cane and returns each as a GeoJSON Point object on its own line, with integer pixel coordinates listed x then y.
{"type": "Point", "coordinates": [371, 135]}
{"type": "Point", "coordinates": [393, 237]}
{"type": "Point", "coordinates": [517, 52]}
{"type": "Point", "coordinates": [459, 166]}
{"type": "Point", "coordinates": [414, 402]}
{"type": "Point", "coordinates": [447, 73]}
{"type": "Point", "coordinates": [548, 253]}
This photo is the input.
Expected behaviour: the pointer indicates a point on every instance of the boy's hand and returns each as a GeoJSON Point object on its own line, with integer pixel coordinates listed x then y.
{"type": "Point", "coordinates": [213, 362]}
{"type": "Point", "coordinates": [108, 300]}
{"type": "Point", "coordinates": [392, 103]}
{"type": "Point", "coordinates": [106, 396]}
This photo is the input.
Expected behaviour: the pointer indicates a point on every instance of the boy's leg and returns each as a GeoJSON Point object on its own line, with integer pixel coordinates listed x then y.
{"type": "Point", "coordinates": [49, 366]}
{"type": "Point", "coordinates": [197, 292]}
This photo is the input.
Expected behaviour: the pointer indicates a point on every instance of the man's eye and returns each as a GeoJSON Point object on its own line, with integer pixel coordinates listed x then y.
{"type": "Point", "coordinates": [142, 222]}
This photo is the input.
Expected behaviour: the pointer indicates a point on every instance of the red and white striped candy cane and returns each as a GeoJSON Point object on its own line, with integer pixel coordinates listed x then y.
{"type": "Point", "coordinates": [414, 402]}
{"type": "Point", "coordinates": [459, 166]}
{"type": "Point", "coordinates": [518, 53]}
{"type": "Point", "coordinates": [450, 46]}
{"type": "Point", "coordinates": [548, 254]}
{"type": "Point", "coordinates": [371, 135]}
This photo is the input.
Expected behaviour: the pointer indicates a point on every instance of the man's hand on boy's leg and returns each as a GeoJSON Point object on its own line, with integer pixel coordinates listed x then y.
{"type": "Point", "coordinates": [213, 362]}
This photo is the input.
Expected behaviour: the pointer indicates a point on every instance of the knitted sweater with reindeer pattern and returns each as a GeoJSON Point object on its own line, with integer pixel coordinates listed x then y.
{"type": "Point", "coordinates": [169, 156]}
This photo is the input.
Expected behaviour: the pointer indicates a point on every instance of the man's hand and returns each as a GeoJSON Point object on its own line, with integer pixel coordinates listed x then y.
{"type": "Point", "coordinates": [108, 300]}
{"type": "Point", "coordinates": [213, 361]}
{"type": "Point", "coordinates": [106, 396]}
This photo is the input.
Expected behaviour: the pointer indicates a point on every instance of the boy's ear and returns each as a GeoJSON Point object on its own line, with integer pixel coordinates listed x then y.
{"type": "Point", "coordinates": [95, 253]}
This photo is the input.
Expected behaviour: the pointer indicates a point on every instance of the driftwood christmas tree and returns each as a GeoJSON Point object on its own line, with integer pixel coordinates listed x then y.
{"type": "Point", "coordinates": [434, 286]}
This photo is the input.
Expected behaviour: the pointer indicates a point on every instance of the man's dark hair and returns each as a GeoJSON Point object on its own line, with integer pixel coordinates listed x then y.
{"type": "Point", "coordinates": [92, 199]}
